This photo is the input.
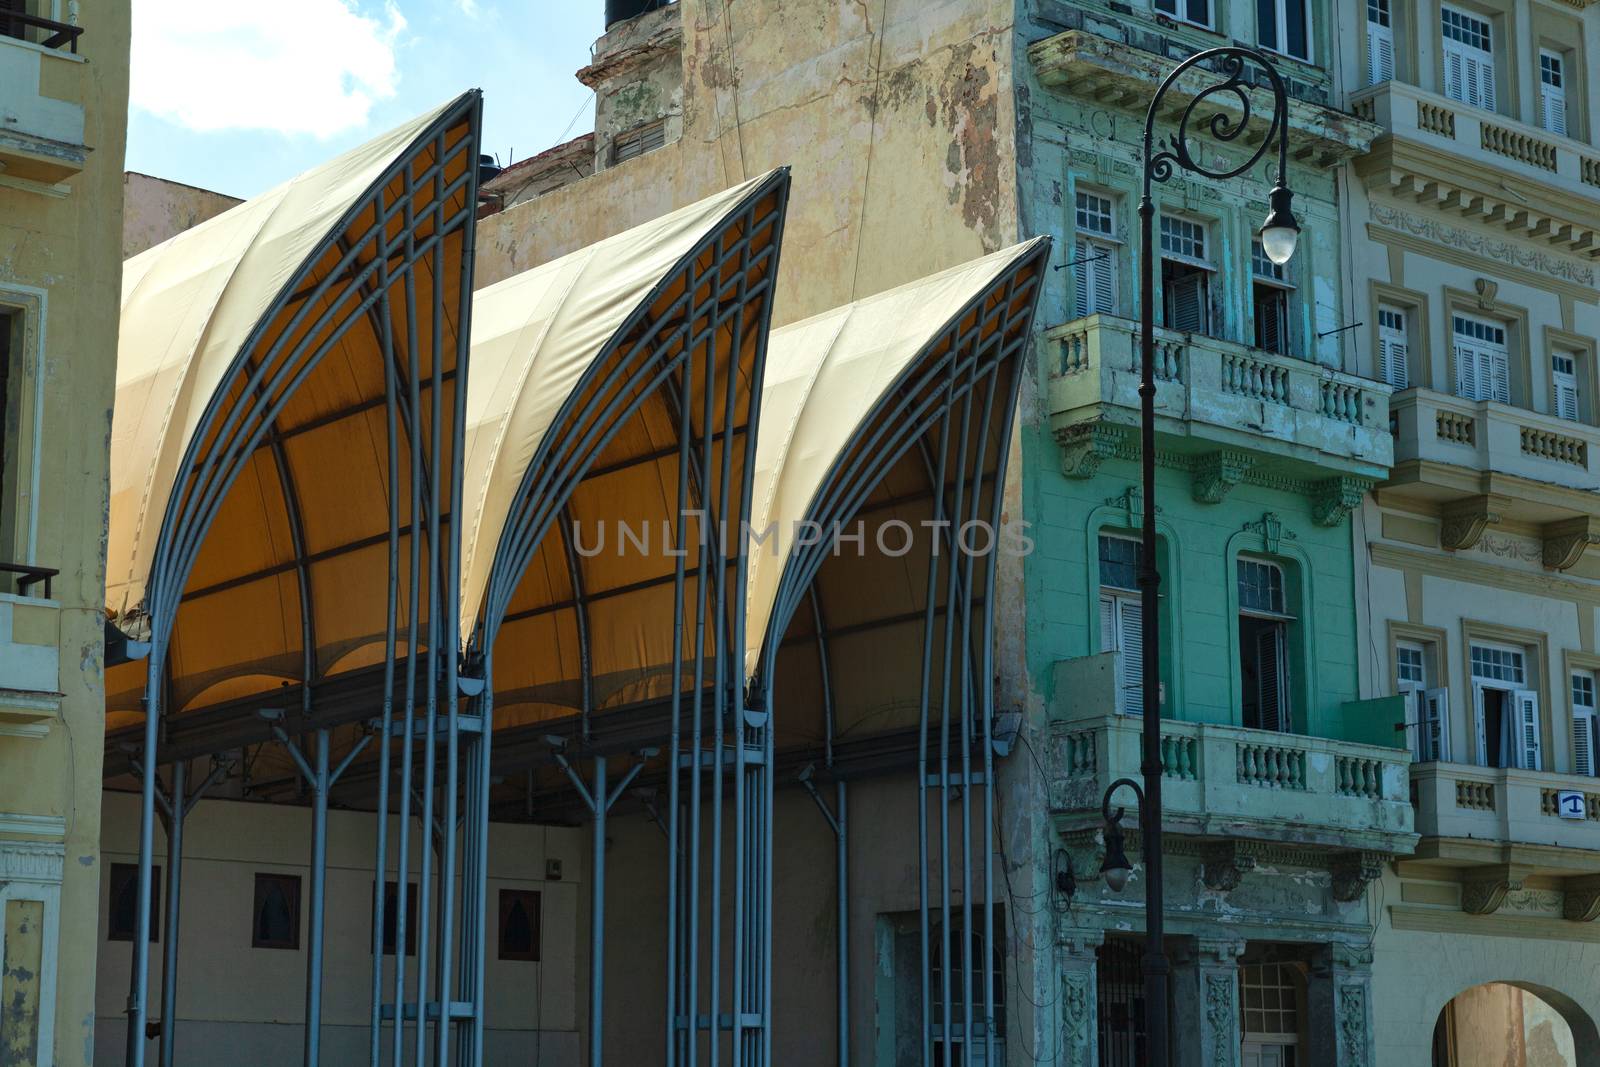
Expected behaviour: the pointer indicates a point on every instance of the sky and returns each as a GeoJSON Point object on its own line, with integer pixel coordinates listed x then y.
{"type": "Point", "coordinates": [240, 95]}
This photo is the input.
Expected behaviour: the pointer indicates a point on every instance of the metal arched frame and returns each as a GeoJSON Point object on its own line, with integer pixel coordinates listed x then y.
{"type": "Point", "coordinates": [397, 241]}
{"type": "Point", "coordinates": [963, 385]}
{"type": "Point", "coordinates": [673, 353]}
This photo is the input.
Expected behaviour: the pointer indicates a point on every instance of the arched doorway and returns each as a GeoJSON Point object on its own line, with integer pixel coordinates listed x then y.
{"type": "Point", "coordinates": [1499, 1023]}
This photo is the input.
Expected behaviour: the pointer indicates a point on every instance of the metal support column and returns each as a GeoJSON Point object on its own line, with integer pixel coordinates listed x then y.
{"type": "Point", "coordinates": [838, 821]}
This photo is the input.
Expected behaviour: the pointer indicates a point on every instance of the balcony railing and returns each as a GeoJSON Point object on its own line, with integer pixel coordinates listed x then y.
{"type": "Point", "coordinates": [1457, 800]}
{"type": "Point", "coordinates": [1307, 409]}
{"type": "Point", "coordinates": [1413, 113]}
{"type": "Point", "coordinates": [1483, 435]}
{"type": "Point", "coordinates": [46, 33]}
{"type": "Point", "coordinates": [1255, 783]}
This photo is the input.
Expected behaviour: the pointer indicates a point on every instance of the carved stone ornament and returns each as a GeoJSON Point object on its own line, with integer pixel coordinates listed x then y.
{"type": "Point", "coordinates": [1464, 521]}
{"type": "Point", "coordinates": [1353, 872]}
{"type": "Point", "coordinates": [1486, 292]}
{"type": "Point", "coordinates": [1086, 445]}
{"type": "Point", "coordinates": [1216, 473]}
{"type": "Point", "coordinates": [1353, 1027]}
{"type": "Point", "coordinates": [1484, 892]}
{"type": "Point", "coordinates": [1335, 498]}
{"type": "Point", "coordinates": [1221, 1018]}
{"type": "Point", "coordinates": [1131, 503]}
{"type": "Point", "coordinates": [1564, 542]}
{"type": "Point", "coordinates": [1223, 865]}
{"type": "Point", "coordinates": [1480, 245]}
{"type": "Point", "coordinates": [1077, 1019]}
{"type": "Point", "coordinates": [1270, 527]}
{"type": "Point", "coordinates": [1581, 902]}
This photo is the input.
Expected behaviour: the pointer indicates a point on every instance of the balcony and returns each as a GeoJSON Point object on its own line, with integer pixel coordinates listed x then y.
{"type": "Point", "coordinates": [1219, 403]}
{"type": "Point", "coordinates": [41, 101]}
{"type": "Point", "coordinates": [30, 656]}
{"type": "Point", "coordinates": [1499, 833]}
{"type": "Point", "coordinates": [1435, 150]}
{"type": "Point", "coordinates": [1480, 463]}
{"type": "Point", "coordinates": [1233, 795]}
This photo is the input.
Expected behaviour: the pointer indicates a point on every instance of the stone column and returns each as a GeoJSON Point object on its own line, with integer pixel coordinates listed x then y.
{"type": "Point", "coordinates": [1075, 957]}
{"type": "Point", "coordinates": [1339, 1003]}
{"type": "Point", "coordinates": [1205, 1001]}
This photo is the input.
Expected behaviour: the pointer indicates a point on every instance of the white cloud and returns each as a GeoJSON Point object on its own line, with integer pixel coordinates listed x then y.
{"type": "Point", "coordinates": [290, 66]}
{"type": "Point", "coordinates": [468, 8]}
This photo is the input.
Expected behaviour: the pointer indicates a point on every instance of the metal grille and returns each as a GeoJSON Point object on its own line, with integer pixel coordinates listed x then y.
{"type": "Point", "coordinates": [1119, 975]}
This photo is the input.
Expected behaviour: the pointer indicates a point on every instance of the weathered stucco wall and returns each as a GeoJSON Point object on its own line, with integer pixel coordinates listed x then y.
{"type": "Point", "coordinates": [60, 263]}
{"type": "Point", "coordinates": [154, 209]}
{"type": "Point", "coordinates": [896, 121]}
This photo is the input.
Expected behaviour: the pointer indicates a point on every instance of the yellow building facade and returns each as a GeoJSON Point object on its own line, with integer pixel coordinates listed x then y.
{"type": "Point", "coordinates": [63, 118]}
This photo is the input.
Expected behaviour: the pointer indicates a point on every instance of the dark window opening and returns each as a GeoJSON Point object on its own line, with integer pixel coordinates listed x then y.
{"type": "Point", "coordinates": [391, 909]}
{"type": "Point", "coordinates": [520, 925]}
{"type": "Point", "coordinates": [276, 915]}
{"type": "Point", "coordinates": [1263, 672]}
{"type": "Point", "coordinates": [1185, 290]}
{"type": "Point", "coordinates": [1272, 318]}
{"type": "Point", "coordinates": [122, 918]}
{"type": "Point", "coordinates": [1119, 1004]}
{"type": "Point", "coordinates": [1497, 728]}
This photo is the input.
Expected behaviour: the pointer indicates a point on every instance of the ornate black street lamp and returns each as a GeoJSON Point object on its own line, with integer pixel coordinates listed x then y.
{"type": "Point", "coordinates": [1278, 237]}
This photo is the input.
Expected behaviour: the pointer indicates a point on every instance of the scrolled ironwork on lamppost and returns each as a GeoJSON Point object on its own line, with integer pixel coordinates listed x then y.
{"type": "Point", "coordinates": [1278, 234]}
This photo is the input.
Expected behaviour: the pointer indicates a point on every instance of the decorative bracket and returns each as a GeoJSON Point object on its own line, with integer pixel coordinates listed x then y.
{"type": "Point", "coordinates": [1353, 872]}
{"type": "Point", "coordinates": [1334, 498]}
{"type": "Point", "coordinates": [1223, 865]}
{"type": "Point", "coordinates": [1581, 899]}
{"type": "Point", "coordinates": [1482, 892]}
{"type": "Point", "coordinates": [1464, 521]}
{"type": "Point", "coordinates": [1085, 445]}
{"type": "Point", "coordinates": [1216, 473]}
{"type": "Point", "coordinates": [1565, 541]}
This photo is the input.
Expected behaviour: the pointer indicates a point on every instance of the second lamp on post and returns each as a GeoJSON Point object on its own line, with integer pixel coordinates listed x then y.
{"type": "Point", "coordinates": [1279, 235]}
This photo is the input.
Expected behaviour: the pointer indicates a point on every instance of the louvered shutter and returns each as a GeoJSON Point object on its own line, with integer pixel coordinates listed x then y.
{"type": "Point", "coordinates": [1553, 109]}
{"type": "Point", "coordinates": [1525, 708]}
{"type": "Point", "coordinates": [1094, 276]}
{"type": "Point", "coordinates": [1454, 73]}
{"type": "Point", "coordinates": [1480, 721]}
{"type": "Point", "coordinates": [1435, 729]}
{"type": "Point", "coordinates": [1186, 303]}
{"type": "Point", "coordinates": [1466, 371]}
{"type": "Point", "coordinates": [1583, 740]}
{"type": "Point", "coordinates": [1130, 663]}
{"type": "Point", "coordinates": [1380, 53]}
{"type": "Point", "coordinates": [1269, 664]}
{"type": "Point", "coordinates": [1393, 348]}
{"type": "Point", "coordinates": [1498, 366]}
{"type": "Point", "coordinates": [1564, 383]}
{"type": "Point", "coordinates": [1108, 624]}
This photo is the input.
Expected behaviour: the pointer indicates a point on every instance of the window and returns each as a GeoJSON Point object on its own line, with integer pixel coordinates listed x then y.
{"type": "Point", "coordinates": [1564, 384]}
{"type": "Point", "coordinates": [1426, 705]}
{"type": "Point", "coordinates": [1483, 366]}
{"type": "Point", "coordinates": [1263, 646]}
{"type": "Point", "coordinates": [1269, 1003]}
{"type": "Point", "coordinates": [1380, 42]}
{"type": "Point", "coordinates": [520, 925]}
{"type": "Point", "coordinates": [1506, 713]}
{"type": "Point", "coordinates": [1195, 11]}
{"type": "Point", "coordinates": [1094, 255]}
{"type": "Point", "coordinates": [638, 141]}
{"type": "Point", "coordinates": [122, 916]}
{"type": "Point", "coordinates": [1284, 26]}
{"type": "Point", "coordinates": [275, 919]}
{"type": "Point", "coordinates": [1552, 92]}
{"type": "Point", "coordinates": [1394, 347]}
{"type": "Point", "coordinates": [1121, 624]}
{"type": "Point", "coordinates": [1585, 725]}
{"type": "Point", "coordinates": [1270, 290]}
{"type": "Point", "coordinates": [1468, 58]}
{"type": "Point", "coordinates": [391, 909]}
{"type": "Point", "coordinates": [1185, 276]}
{"type": "Point", "coordinates": [1119, 1003]}
{"type": "Point", "coordinates": [971, 955]}
{"type": "Point", "coordinates": [13, 468]}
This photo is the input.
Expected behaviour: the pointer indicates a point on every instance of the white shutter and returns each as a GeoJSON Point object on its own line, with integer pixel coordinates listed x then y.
{"type": "Point", "coordinates": [1435, 726]}
{"type": "Point", "coordinates": [1130, 662]}
{"type": "Point", "coordinates": [1525, 708]}
{"type": "Point", "coordinates": [1468, 68]}
{"type": "Point", "coordinates": [1466, 371]}
{"type": "Point", "coordinates": [1552, 92]}
{"type": "Point", "coordinates": [1564, 382]}
{"type": "Point", "coordinates": [1108, 624]}
{"type": "Point", "coordinates": [1583, 740]}
{"type": "Point", "coordinates": [1393, 347]}
{"type": "Point", "coordinates": [1454, 65]}
{"type": "Point", "coordinates": [1094, 275]}
{"type": "Point", "coordinates": [1380, 52]}
{"type": "Point", "coordinates": [1499, 368]}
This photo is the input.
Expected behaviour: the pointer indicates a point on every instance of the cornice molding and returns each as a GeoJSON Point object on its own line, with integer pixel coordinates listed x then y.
{"type": "Point", "coordinates": [1469, 249]}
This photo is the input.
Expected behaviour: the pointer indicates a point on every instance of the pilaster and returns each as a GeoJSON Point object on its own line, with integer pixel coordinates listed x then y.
{"type": "Point", "coordinates": [1205, 1001]}
{"type": "Point", "coordinates": [1339, 1003]}
{"type": "Point", "coordinates": [1076, 957]}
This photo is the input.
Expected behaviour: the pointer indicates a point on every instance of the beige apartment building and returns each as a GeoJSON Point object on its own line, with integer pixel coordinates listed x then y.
{"type": "Point", "coordinates": [63, 117]}
{"type": "Point", "coordinates": [1472, 227]}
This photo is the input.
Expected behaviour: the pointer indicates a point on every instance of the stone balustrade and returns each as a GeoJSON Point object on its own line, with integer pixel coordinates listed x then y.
{"type": "Point", "coordinates": [1503, 805]}
{"type": "Point", "coordinates": [1484, 435]}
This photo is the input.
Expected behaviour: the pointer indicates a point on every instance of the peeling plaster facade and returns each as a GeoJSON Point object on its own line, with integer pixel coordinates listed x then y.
{"type": "Point", "coordinates": [63, 115]}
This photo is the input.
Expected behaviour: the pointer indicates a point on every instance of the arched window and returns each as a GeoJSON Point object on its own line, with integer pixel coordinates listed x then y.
{"type": "Point", "coordinates": [276, 922]}
{"type": "Point", "coordinates": [955, 1055]}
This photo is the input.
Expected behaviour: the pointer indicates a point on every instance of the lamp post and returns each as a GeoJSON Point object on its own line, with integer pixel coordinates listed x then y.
{"type": "Point", "coordinates": [1278, 237]}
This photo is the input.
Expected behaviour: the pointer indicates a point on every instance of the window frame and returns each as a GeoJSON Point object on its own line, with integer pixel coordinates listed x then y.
{"type": "Point", "coordinates": [26, 307]}
{"type": "Point", "coordinates": [1532, 655]}
{"type": "Point", "coordinates": [1386, 30]}
{"type": "Point", "coordinates": [32, 871]}
{"type": "Point", "coordinates": [1202, 263]}
{"type": "Point", "coordinates": [1563, 72]}
{"type": "Point", "coordinates": [508, 897]}
{"type": "Point", "coordinates": [1505, 344]}
{"type": "Point", "coordinates": [1591, 712]}
{"type": "Point", "coordinates": [1104, 243]}
{"type": "Point", "coordinates": [1279, 619]}
{"type": "Point", "coordinates": [1211, 13]}
{"type": "Point", "coordinates": [1280, 46]}
{"type": "Point", "coordinates": [1275, 277]}
{"type": "Point", "coordinates": [1447, 44]}
{"type": "Point", "coordinates": [264, 878]}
